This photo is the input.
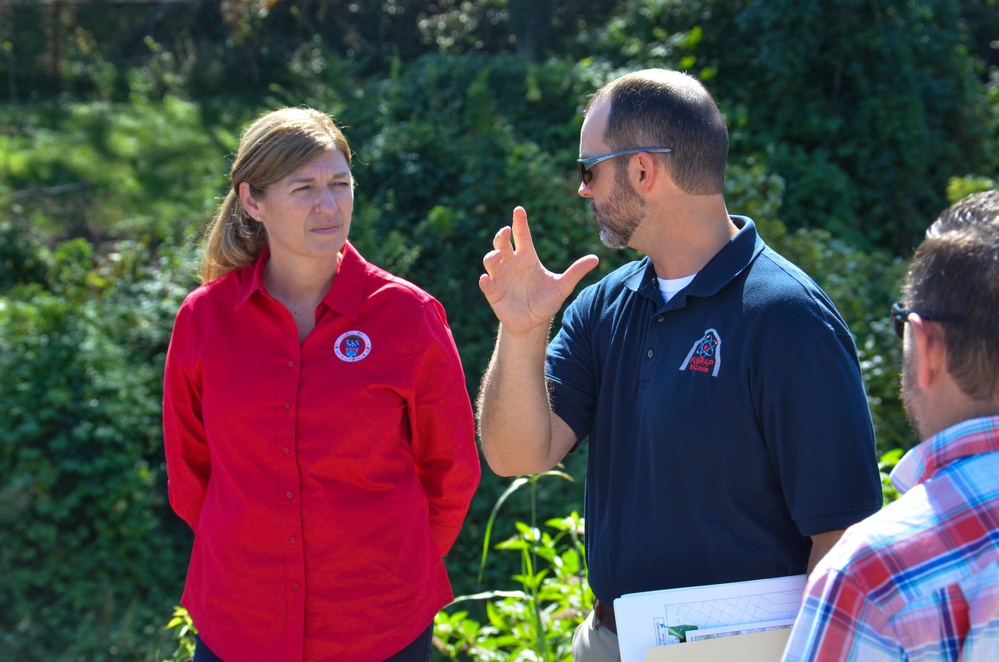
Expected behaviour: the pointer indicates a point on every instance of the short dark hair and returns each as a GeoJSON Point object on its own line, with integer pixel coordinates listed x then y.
{"type": "Point", "coordinates": [956, 272]}
{"type": "Point", "coordinates": [662, 108]}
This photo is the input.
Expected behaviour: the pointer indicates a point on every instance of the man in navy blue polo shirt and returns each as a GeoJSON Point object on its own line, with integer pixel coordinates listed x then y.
{"type": "Point", "coordinates": [729, 433]}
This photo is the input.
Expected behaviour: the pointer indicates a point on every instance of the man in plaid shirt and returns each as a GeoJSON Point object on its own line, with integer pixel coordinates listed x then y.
{"type": "Point", "coordinates": [919, 580]}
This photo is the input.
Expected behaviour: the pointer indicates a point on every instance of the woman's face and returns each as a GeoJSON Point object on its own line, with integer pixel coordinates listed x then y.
{"type": "Point", "coordinates": [307, 214]}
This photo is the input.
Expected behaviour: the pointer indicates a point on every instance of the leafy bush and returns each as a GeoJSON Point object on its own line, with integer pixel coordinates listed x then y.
{"type": "Point", "coordinates": [865, 110]}
{"type": "Point", "coordinates": [90, 554]}
{"type": "Point", "coordinates": [537, 621]}
{"type": "Point", "coordinates": [103, 171]}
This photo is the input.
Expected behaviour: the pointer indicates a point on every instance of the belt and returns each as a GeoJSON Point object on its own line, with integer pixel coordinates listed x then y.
{"type": "Point", "coordinates": [604, 614]}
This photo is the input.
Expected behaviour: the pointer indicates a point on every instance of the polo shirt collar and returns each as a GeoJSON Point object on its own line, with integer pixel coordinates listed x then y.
{"type": "Point", "coordinates": [726, 264]}
{"type": "Point", "coordinates": [344, 295]}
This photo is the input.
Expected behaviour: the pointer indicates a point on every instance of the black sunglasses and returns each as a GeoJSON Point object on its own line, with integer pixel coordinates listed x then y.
{"type": "Point", "coordinates": [900, 315]}
{"type": "Point", "coordinates": [586, 165]}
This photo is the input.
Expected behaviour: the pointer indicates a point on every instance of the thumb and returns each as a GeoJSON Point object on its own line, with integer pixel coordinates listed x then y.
{"type": "Point", "coordinates": [571, 277]}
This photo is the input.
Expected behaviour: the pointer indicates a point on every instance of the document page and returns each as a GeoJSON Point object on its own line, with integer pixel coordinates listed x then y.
{"type": "Point", "coordinates": [663, 618]}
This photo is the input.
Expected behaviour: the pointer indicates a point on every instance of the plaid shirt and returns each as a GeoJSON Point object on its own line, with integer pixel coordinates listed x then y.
{"type": "Point", "coordinates": [918, 580]}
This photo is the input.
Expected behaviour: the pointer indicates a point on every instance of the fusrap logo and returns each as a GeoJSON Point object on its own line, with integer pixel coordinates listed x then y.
{"type": "Point", "coordinates": [705, 355]}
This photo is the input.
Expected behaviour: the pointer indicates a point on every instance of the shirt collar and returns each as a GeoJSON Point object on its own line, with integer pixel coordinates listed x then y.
{"type": "Point", "coordinates": [347, 290]}
{"type": "Point", "coordinates": [971, 437]}
{"type": "Point", "coordinates": [344, 295]}
{"type": "Point", "coordinates": [250, 279]}
{"type": "Point", "coordinates": [726, 264]}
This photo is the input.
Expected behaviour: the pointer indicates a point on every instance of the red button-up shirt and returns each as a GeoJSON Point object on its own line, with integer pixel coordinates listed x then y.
{"type": "Point", "coordinates": [323, 480]}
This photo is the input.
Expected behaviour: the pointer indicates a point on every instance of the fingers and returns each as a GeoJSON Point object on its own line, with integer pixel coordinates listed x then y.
{"type": "Point", "coordinates": [491, 261]}
{"type": "Point", "coordinates": [521, 231]}
{"type": "Point", "coordinates": [508, 241]}
{"type": "Point", "coordinates": [487, 285]}
{"type": "Point", "coordinates": [516, 238]}
{"type": "Point", "coordinates": [502, 241]}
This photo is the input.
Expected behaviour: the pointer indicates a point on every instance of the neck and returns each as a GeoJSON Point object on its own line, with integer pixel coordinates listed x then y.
{"type": "Point", "coordinates": [298, 284]}
{"type": "Point", "coordinates": [974, 410]}
{"type": "Point", "coordinates": [949, 405]}
{"type": "Point", "coordinates": [684, 234]}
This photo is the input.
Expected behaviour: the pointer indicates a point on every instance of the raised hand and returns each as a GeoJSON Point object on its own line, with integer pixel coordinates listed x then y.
{"type": "Point", "coordinates": [523, 294]}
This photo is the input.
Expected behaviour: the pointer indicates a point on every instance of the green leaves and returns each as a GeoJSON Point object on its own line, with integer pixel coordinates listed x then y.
{"type": "Point", "coordinates": [184, 632]}
{"type": "Point", "coordinates": [885, 466]}
{"type": "Point", "coordinates": [82, 490]}
{"type": "Point", "coordinates": [143, 170]}
{"type": "Point", "coordinates": [537, 621]}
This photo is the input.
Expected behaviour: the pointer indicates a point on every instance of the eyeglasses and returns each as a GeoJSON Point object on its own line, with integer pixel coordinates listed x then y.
{"type": "Point", "coordinates": [900, 315]}
{"type": "Point", "coordinates": [586, 165]}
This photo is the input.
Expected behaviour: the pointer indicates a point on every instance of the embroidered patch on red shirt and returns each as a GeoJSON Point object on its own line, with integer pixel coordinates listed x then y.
{"type": "Point", "coordinates": [352, 346]}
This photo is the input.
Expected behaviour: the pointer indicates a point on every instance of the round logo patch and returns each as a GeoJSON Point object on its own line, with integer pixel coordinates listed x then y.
{"type": "Point", "coordinates": [352, 346]}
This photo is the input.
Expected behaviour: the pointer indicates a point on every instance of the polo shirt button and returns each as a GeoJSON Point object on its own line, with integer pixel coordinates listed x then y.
{"type": "Point", "coordinates": [286, 450]}
{"type": "Point", "coordinates": [651, 354]}
{"type": "Point", "coordinates": [292, 540]}
{"type": "Point", "coordinates": [287, 405]}
{"type": "Point", "coordinates": [660, 318]}
{"type": "Point", "coordinates": [290, 495]}
{"type": "Point", "coordinates": [291, 364]}
{"type": "Point", "coordinates": [295, 586]}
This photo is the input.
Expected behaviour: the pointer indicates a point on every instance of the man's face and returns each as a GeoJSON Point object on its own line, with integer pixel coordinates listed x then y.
{"type": "Point", "coordinates": [618, 207]}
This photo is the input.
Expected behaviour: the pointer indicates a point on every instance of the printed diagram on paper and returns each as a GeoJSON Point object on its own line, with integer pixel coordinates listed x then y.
{"type": "Point", "coordinates": [776, 607]}
{"type": "Point", "coordinates": [655, 618]}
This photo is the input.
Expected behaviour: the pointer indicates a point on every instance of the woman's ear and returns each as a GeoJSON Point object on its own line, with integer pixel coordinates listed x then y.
{"type": "Point", "coordinates": [249, 202]}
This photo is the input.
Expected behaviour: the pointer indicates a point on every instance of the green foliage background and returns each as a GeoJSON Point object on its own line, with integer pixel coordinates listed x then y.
{"type": "Point", "coordinates": [852, 125]}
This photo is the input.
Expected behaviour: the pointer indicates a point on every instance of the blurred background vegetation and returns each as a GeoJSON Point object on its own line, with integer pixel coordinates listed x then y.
{"type": "Point", "coordinates": [853, 124]}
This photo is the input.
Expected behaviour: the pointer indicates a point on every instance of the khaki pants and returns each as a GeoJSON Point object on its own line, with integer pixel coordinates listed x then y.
{"type": "Point", "coordinates": [593, 643]}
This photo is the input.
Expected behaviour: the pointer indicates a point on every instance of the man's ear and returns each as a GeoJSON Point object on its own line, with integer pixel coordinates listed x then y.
{"type": "Point", "coordinates": [249, 202]}
{"type": "Point", "coordinates": [928, 342]}
{"type": "Point", "coordinates": [645, 168]}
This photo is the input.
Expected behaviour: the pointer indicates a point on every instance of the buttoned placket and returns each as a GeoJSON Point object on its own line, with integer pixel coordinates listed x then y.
{"type": "Point", "coordinates": [289, 495]}
{"type": "Point", "coordinates": [655, 334]}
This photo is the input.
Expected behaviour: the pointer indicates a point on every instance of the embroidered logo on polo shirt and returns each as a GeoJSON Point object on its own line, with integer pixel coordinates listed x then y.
{"type": "Point", "coordinates": [705, 355]}
{"type": "Point", "coordinates": [352, 346]}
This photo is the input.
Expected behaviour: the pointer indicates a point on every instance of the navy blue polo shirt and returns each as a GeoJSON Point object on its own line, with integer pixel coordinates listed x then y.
{"type": "Point", "coordinates": [725, 427]}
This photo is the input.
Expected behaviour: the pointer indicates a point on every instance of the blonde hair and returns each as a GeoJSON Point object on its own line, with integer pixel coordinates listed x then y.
{"type": "Point", "coordinates": [273, 147]}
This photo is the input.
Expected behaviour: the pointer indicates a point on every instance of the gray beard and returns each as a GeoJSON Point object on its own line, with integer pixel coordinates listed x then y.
{"type": "Point", "coordinates": [618, 218]}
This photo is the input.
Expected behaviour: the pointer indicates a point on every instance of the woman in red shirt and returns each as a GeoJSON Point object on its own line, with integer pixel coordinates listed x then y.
{"type": "Point", "coordinates": [318, 432]}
